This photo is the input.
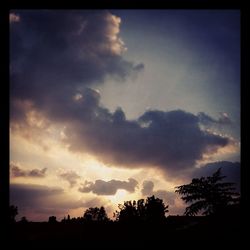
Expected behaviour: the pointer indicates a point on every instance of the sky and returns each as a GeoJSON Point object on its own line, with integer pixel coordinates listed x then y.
{"type": "Point", "coordinates": [115, 105]}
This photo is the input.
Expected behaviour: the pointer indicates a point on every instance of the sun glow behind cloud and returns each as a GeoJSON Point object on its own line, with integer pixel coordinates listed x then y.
{"type": "Point", "coordinates": [41, 145]}
{"type": "Point", "coordinates": [29, 154]}
{"type": "Point", "coordinates": [61, 122]}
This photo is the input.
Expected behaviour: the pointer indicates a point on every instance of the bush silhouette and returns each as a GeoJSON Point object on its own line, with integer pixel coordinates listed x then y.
{"type": "Point", "coordinates": [95, 214]}
{"type": "Point", "coordinates": [52, 219]}
{"type": "Point", "coordinates": [24, 220]}
{"type": "Point", "coordinates": [151, 210]}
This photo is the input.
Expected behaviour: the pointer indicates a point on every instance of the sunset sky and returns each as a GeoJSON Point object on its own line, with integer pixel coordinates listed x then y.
{"type": "Point", "coordinates": [115, 105]}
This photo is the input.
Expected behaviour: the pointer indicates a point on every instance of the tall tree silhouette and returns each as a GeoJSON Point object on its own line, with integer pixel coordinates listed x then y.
{"type": "Point", "coordinates": [208, 194]}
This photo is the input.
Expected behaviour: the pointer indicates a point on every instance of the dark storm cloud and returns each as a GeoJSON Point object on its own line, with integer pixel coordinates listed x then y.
{"type": "Point", "coordinates": [166, 196]}
{"type": "Point", "coordinates": [229, 169]}
{"type": "Point", "coordinates": [101, 187]}
{"type": "Point", "coordinates": [170, 140]}
{"type": "Point", "coordinates": [71, 177]}
{"type": "Point", "coordinates": [57, 56]}
{"type": "Point", "coordinates": [54, 54]}
{"type": "Point", "coordinates": [16, 171]}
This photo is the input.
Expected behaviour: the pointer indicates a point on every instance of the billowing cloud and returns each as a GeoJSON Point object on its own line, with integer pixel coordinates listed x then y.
{"type": "Point", "coordinates": [58, 57]}
{"type": "Point", "coordinates": [167, 196]}
{"type": "Point", "coordinates": [101, 187]}
{"type": "Point", "coordinates": [14, 18]}
{"type": "Point", "coordinates": [70, 176]}
{"type": "Point", "coordinates": [170, 140]}
{"type": "Point", "coordinates": [16, 171]}
{"type": "Point", "coordinates": [55, 54]}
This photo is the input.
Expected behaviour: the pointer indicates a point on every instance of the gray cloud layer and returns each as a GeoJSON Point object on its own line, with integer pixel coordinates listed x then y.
{"type": "Point", "coordinates": [27, 195]}
{"type": "Point", "coordinates": [57, 56]}
{"type": "Point", "coordinates": [37, 202]}
{"type": "Point", "coordinates": [101, 187]}
{"type": "Point", "coordinates": [16, 171]}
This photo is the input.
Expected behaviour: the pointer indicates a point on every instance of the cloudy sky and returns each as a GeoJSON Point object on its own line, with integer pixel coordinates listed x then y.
{"type": "Point", "coordinates": [115, 105]}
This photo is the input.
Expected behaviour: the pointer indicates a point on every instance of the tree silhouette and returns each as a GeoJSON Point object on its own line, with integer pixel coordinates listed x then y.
{"type": "Point", "coordinates": [95, 214]}
{"type": "Point", "coordinates": [24, 220]}
{"type": "Point", "coordinates": [209, 194]}
{"type": "Point", "coordinates": [102, 215]}
{"type": "Point", "coordinates": [52, 219]}
{"type": "Point", "coordinates": [13, 213]}
{"type": "Point", "coordinates": [153, 210]}
{"type": "Point", "coordinates": [128, 211]}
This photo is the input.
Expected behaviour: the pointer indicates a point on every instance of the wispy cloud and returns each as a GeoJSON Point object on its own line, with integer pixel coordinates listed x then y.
{"type": "Point", "coordinates": [16, 171]}
{"type": "Point", "coordinates": [70, 176]}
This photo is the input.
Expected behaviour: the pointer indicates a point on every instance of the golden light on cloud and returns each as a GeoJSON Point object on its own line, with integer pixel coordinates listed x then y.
{"type": "Point", "coordinates": [36, 119]}
{"type": "Point", "coordinates": [221, 153]}
{"type": "Point", "coordinates": [117, 45]}
{"type": "Point", "coordinates": [73, 147]}
{"type": "Point", "coordinates": [77, 97]}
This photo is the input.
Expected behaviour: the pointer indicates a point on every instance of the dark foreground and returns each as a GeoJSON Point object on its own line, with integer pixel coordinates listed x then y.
{"type": "Point", "coordinates": [174, 228]}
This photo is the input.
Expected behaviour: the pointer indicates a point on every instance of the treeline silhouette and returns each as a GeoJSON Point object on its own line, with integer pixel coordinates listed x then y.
{"type": "Point", "coordinates": [213, 213]}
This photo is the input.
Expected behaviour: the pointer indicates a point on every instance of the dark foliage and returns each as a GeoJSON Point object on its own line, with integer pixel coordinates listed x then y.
{"type": "Point", "coordinates": [145, 221]}
{"type": "Point", "coordinates": [151, 210]}
{"type": "Point", "coordinates": [23, 220]}
{"type": "Point", "coordinates": [52, 219]}
{"type": "Point", "coordinates": [95, 214]}
{"type": "Point", "coordinates": [208, 194]}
